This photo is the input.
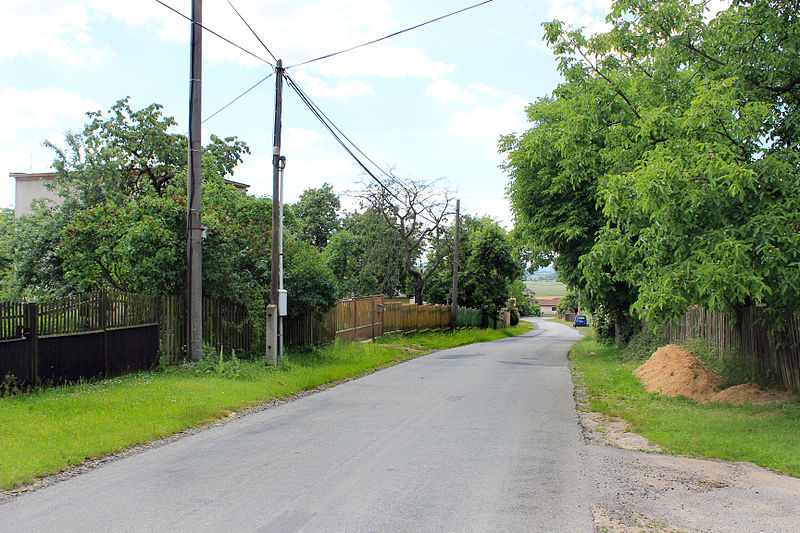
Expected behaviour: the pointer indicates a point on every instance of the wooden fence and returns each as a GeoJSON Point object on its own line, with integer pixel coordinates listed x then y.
{"type": "Point", "coordinates": [226, 327]}
{"type": "Point", "coordinates": [371, 316]}
{"type": "Point", "coordinates": [101, 334]}
{"type": "Point", "coordinates": [747, 334]}
{"type": "Point", "coordinates": [107, 333]}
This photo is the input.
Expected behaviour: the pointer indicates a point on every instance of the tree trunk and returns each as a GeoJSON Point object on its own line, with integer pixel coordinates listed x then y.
{"type": "Point", "coordinates": [418, 284]}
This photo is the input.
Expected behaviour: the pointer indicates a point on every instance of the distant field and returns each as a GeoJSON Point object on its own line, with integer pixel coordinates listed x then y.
{"type": "Point", "coordinates": [543, 289]}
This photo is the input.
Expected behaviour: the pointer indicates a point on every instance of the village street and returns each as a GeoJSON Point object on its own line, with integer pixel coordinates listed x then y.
{"type": "Point", "coordinates": [479, 438]}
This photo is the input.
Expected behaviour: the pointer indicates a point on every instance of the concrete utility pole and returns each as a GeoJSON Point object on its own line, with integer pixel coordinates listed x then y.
{"type": "Point", "coordinates": [454, 312]}
{"type": "Point", "coordinates": [277, 230]}
{"type": "Point", "coordinates": [194, 250]}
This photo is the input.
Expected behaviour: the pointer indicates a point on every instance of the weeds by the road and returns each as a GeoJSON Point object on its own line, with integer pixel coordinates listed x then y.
{"type": "Point", "coordinates": [47, 430]}
{"type": "Point", "coordinates": [767, 435]}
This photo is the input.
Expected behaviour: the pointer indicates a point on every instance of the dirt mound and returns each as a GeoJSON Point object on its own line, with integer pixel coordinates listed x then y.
{"type": "Point", "coordinates": [749, 392]}
{"type": "Point", "coordinates": [674, 371]}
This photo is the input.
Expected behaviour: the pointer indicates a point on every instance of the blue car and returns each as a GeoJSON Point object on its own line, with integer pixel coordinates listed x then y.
{"type": "Point", "coordinates": [580, 320]}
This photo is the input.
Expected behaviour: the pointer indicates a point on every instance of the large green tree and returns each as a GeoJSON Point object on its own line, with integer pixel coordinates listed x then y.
{"type": "Point", "coordinates": [363, 255]}
{"type": "Point", "coordinates": [680, 131]}
{"type": "Point", "coordinates": [487, 266]}
{"type": "Point", "coordinates": [418, 212]}
{"type": "Point", "coordinates": [317, 214]}
{"type": "Point", "coordinates": [123, 221]}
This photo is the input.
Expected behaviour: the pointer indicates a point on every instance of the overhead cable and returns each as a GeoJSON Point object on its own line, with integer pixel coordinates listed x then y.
{"type": "Point", "coordinates": [314, 110]}
{"type": "Point", "coordinates": [253, 32]}
{"type": "Point", "coordinates": [212, 32]}
{"type": "Point", "coordinates": [326, 56]}
{"type": "Point", "coordinates": [223, 108]}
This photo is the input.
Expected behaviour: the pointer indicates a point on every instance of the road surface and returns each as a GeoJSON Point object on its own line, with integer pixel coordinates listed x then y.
{"type": "Point", "coordinates": [478, 438]}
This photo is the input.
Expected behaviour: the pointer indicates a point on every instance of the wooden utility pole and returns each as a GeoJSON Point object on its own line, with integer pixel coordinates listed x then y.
{"type": "Point", "coordinates": [454, 301]}
{"type": "Point", "coordinates": [194, 250]}
{"type": "Point", "coordinates": [277, 230]}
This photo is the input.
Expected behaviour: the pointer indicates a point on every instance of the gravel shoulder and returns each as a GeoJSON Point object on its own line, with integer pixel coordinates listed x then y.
{"type": "Point", "coordinates": [639, 489]}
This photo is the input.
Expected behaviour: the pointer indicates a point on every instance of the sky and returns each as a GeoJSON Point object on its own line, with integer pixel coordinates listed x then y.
{"type": "Point", "coordinates": [428, 104]}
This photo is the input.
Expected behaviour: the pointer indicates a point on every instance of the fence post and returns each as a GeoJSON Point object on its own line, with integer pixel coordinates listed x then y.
{"type": "Point", "coordinates": [103, 294]}
{"type": "Point", "coordinates": [31, 320]}
{"type": "Point", "coordinates": [372, 313]}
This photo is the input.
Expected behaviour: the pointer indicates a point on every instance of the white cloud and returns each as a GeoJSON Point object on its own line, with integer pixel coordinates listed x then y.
{"type": "Point", "coordinates": [317, 87]}
{"type": "Point", "coordinates": [60, 32]}
{"type": "Point", "coordinates": [311, 161]}
{"type": "Point", "coordinates": [491, 119]}
{"type": "Point", "coordinates": [496, 208]}
{"type": "Point", "coordinates": [588, 14]}
{"type": "Point", "coordinates": [43, 108]}
{"type": "Point", "coordinates": [446, 91]}
{"type": "Point", "coordinates": [26, 119]}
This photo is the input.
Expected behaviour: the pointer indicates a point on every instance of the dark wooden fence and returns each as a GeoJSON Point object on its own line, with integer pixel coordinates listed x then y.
{"type": "Point", "coordinates": [108, 333]}
{"type": "Point", "coordinates": [226, 327]}
{"type": "Point", "coordinates": [101, 334]}
{"type": "Point", "coordinates": [750, 336]}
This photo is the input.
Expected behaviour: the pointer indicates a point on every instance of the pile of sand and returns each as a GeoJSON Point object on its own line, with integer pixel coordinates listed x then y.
{"type": "Point", "coordinates": [749, 392]}
{"type": "Point", "coordinates": [674, 371]}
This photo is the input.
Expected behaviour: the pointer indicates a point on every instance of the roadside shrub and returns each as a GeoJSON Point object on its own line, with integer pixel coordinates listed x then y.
{"type": "Point", "coordinates": [528, 307]}
{"type": "Point", "coordinates": [642, 345]}
{"type": "Point", "coordinates": [514, 315]}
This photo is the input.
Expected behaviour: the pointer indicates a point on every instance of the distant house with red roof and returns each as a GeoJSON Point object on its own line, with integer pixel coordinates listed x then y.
{"type": "Point", "coordinates": [549, 307]}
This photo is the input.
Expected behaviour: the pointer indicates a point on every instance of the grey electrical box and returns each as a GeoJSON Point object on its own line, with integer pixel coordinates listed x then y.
{"type": "Point", "coordinates": [283, 302]}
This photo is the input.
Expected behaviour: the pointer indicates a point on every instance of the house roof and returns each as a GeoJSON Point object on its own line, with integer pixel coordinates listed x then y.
{"type": "Point", "coordinates": [550, 302]}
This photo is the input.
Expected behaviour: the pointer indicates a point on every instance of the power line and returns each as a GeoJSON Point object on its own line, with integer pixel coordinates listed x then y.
{"type": "Point", "coordinates": [326, 56]}
{"type": "Point", "coordinates": [223, 108]}
{"type": "Point", "coordinates": [330, 127]}
{"type": "Point", "coordinates": [212, 32]}
{"type": "Point", "coordinates": [253, 32]}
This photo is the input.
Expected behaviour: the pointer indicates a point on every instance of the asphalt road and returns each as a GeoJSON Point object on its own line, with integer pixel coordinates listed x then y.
{"type": "Point", "coordinates": [478, 438]}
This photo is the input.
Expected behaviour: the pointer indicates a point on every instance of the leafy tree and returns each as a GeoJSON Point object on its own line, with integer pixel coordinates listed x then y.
{"type": "Point", "coordinates": [679, 134]}
{"type": "Point", "coordinates": [417, 211]}
{"type": "Point", "coordinates": [487, 270]}
{"type": "Point", "coordinates": [569, 303]}
{"type": "Point", "coordinates": [129, 152]}
{"type": "Point", "coordinates": [490, 267]}
{"type": "Point", "coordinates": [37, 268]}
{"type": "Point", "coordinates": [308, 279]}
{"type": "Point", "coordinates": [6, 250]}
{"type": "Point", "coordinates": [707, 214]}
{"type": "Point", "coordinates": [131, 245]}
{"type": "Point", "coordinates": [363, 256]}
{"type": "Point", "coordinates": [317, 213]}
{"type": "Point", "coordinates": [555, 171]}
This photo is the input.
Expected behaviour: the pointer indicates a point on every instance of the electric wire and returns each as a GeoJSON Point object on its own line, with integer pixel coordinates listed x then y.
{"type": "Point", "coordinates": [223, 108]}
{"type": "Point", "coordinates": [326, 56]}
{"type": "Point", "coordinates": [329, 124]}
{"type": "Point", "coordinates": [253, 32]}
{"type": "Point", "coordinates": [215, 33]}
{"type": "Point", "coordinates": [388, 175]}
{"type": "Point", "coordinates": [330, 129]}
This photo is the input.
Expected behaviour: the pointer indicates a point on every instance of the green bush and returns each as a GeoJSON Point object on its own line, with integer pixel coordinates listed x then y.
{"type": "Point", "coordinates": [514, 315]}
{"type": "Point", "coordinates": [642, 345]}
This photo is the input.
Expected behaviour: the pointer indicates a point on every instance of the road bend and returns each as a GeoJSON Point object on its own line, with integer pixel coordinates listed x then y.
{"type": "Point", "coordinates": [478, 438]}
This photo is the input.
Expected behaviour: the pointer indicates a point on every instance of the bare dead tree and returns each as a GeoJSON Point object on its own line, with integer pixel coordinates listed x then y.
{"type": "Point", "coordinates": [418, 211]}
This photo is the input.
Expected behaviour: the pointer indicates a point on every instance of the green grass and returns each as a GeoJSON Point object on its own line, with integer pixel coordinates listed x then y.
{"type": "Point", "coordinates": [50, 429]}
{"type": "Point", "coordinates": [547, 289]}
{"type": "Point", "coordinates": [767, 435]}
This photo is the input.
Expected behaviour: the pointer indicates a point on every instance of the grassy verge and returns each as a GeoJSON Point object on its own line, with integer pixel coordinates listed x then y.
{"type": "Point", "coordinates": [767, 435]}
{"type": "Point", "coordinates": [50, 429]}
